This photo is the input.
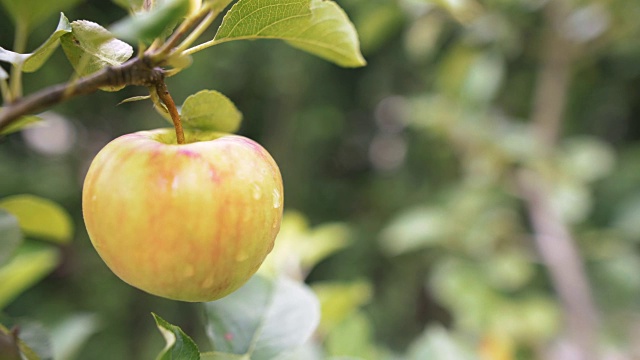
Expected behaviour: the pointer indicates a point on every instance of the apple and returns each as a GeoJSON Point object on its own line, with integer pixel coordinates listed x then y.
{"type": "Point", "coordinates": [190, 222]}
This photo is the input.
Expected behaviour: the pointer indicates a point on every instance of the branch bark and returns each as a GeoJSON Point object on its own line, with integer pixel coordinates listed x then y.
{"type": "Point", "coordinates": [556, 246]}
{"type": "Point", "coordinates": [561, 257]}
{"type": "Point", "coordinates": [137, 71]}
{"type": "Point", "coordinates": [554, 76]}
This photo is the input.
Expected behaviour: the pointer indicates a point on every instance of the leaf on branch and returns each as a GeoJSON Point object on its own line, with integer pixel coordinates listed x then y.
{"type": "Point", "coordinates": [317, 26]}
{"type": "Point", "coordinates": [210, 110]}
{"type": "Point", "coordinates": [179, 345]}
{"type": "Point", "coordinates": [299, 248]}
{"type": "Point", "coordinates": [263, 319]}
{"type": "Point", "coordinates": [12, 57]}
{"type": "Point", "coordinates": [10, 235]}
{"type": "Point", "coordinates": [21, 123]}
{"type": "Point", "coordinates": [177, 62]}
{"type": "Point", "coordinates": [36, 338]}
{"type": "Point", "coordinates": [33, 61]}
{"type": "Point", "coordinates": [9, 344]}
{"type": "Point", "coordinates": [69, 335]}
{"type": "Point", "coordinates": [90, 48]}
{"type": "Point", "coordinates": [30, 264]}
{"type": "Point", "coordinates": [42, 54]}
{"type": "Point", "coordinates": [14, 348]}
{"type": "Point", "coordinates": [352, 338]}
{"type": "Point", "coordinates": [134, 98]}
{"type": "Point", "coordinates": [147, 26]}
{"type": "Point", "coordinates": [39, 217]}
{"type": "Point", "coordinates": [339, 300]}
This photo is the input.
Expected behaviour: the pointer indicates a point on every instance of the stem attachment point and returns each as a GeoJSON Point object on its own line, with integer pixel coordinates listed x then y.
{"type": "Point", "coordinates": [165, 97]}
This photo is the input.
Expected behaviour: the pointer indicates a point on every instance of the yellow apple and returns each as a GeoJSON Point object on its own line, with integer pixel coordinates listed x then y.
{"type": "Point", "coordinates": [189, 222]}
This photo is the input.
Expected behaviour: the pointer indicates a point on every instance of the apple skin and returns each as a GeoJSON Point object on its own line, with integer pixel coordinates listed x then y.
{"type": "Point", "coordinates": [189, 222]}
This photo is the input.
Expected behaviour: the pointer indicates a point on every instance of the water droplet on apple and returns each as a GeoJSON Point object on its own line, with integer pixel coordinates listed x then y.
{"type": "Point", "coordinates": [242, 256]}
{"type": "Point", "coordinates": [257, 193]}
{"type": "Point", "coordinates": [189, 271]}
{"type": "Point", "coordinates": [207, 283]}
{"type": "Point", "coordinates": [277, 199]}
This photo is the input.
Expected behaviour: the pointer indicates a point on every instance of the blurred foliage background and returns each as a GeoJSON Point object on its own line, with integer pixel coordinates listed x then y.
{"type": "Point", "coordinates": [485, 165]}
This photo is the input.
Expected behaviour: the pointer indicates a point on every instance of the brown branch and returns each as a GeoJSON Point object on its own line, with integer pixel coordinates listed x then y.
{"type": "Point", "coordinates": [560, 255]}
{"type": "Point", "coordinates": [142, 71]}
{"type": "Point", "coordinates": [556, 246]}
{"type": "Point", "coordinates": [551, 91]}
{"type": "Point", "coordinates": [137, 71]}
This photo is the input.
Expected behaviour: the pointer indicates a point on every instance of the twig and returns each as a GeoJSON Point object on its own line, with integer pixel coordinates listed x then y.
{"type": "Point", "coordinates": [555, 244]}
{"type": "Point", "coordinates": [199, 30]}
{"type": "Point", "coordinates": [20, 44]}
{"type": "Point", "coordinates": [142, 71]}
{"type": "Point", "coordinates": [166, 49]}
{"type": "Point", "coordinates": [137, 71]}
{"type": "Point", "coordinates": [559, 253]}
{"type": "Point", "coordinates": [553, 78]}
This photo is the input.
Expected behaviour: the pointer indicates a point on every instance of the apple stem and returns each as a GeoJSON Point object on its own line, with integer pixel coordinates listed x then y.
{"type": "Point", "coordinates": [163, 94]}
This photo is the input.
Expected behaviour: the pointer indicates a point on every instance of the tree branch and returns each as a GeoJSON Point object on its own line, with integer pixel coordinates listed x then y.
{"type": "Point", "coordinates": [553, 239]}
{"type": "Point", "coordinates": [560, 255]}
{"type": "Point", "coordinates": [553, 78]}
{"type": "Point", "coordinates": [137, 71]}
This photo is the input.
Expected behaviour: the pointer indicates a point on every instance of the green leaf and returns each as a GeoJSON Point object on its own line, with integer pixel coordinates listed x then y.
{"type": "Point", "coordinates": [586, 158]}
{"type": "Point", "coordinates": [134, 98]}
{"type": "Point", "coordinates": [34, 335]}
{"type": "Point", "coordinates": [39, 217]}
{"type": "Point", "coordinates": [31, 263]}
{"type": "Point", "coordinates": [32, 12]}
{"type": "Point", "coordinates": [20, 124]}
{"type": "Point", "coordinates": [436, 343]}
{"type": "Point", "coordinates": [147, 26]}
{"type": "Point", "coordinates": [263, 318]}
{"type": "Point", "coordinates": [338, 300]}
{"type": "Point", "coordinates": [90, 48]}
{"type": "Point", "coordinates": [10, 235]}
{"type": "Point", "coordinates": [29, 338]}
{"type": "Point", "coordinates": [414, 229]}
{"type": "Point", "coordinates": [12, 57]}
{"type": "Point", "coordinates": [352, 337]}
{"type": "Point", "coordinates": [316, 26]}
{"type": "Point", "coordinates": [299, 248]}
{"type": "Point", "coordinates": [9, 345]}
{"type": "Point", "coordinates": [33, 61]}
{"type": "Point", "coordinates": [179, 345]}
{"type": "Point", "coordinates": [209, 110]}
{"type": "Point", "coordinates": [36, 59]}
{"type": "Point", "coordinates": [69, 335]}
